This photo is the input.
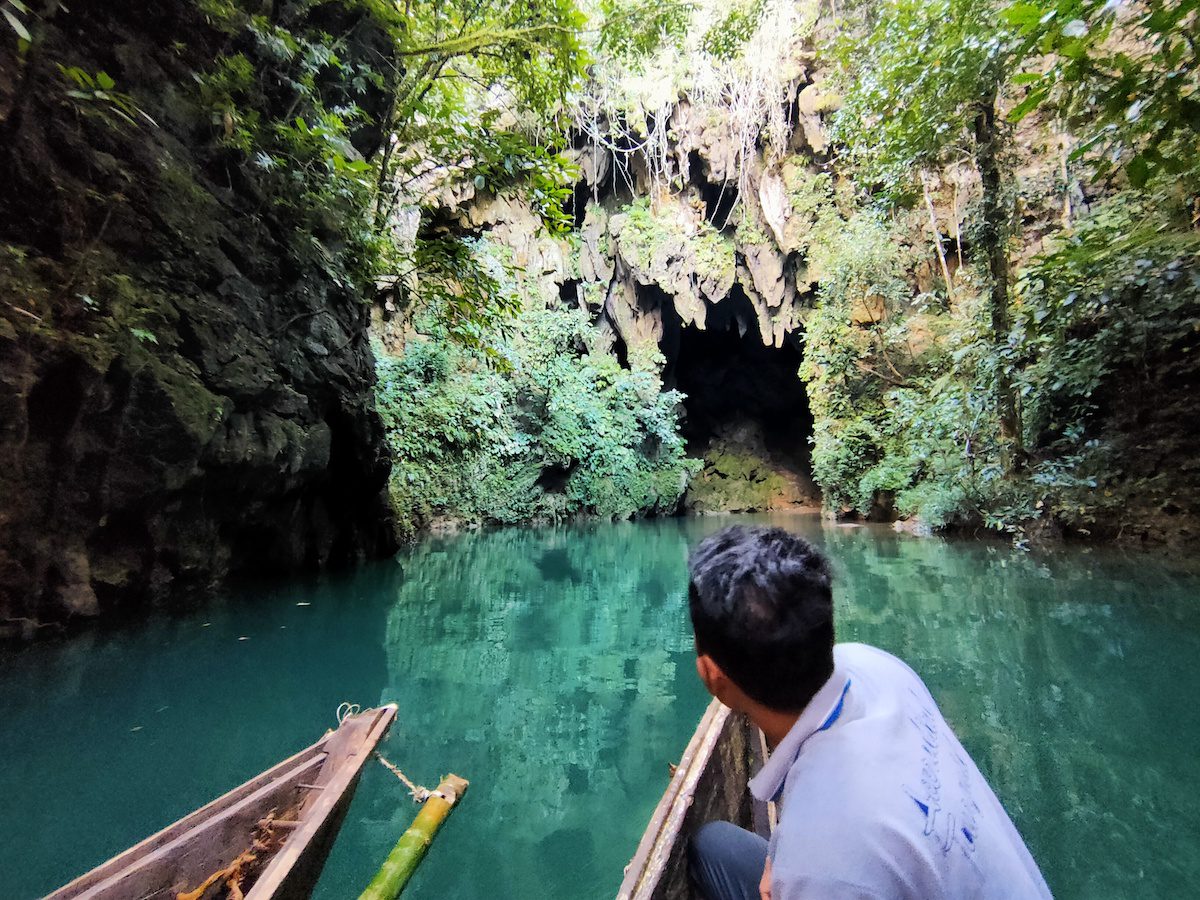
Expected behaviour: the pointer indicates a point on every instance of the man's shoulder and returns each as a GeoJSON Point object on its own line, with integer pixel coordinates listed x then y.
{"type": "Point", "coordinates": [876, 670]}
{"type": "Point", "coordinates": [858, 654]}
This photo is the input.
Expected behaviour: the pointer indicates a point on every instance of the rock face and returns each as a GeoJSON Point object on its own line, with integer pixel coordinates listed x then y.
{"type": "Point", "coordinates": [182, 395]}
{"type": "Point", "coordinates": [741, 474]}
{"type": "Point", "coordinates": [686, 271]}
{"type": "Point", "coordinates": [709, 238]}
{"type": "Point", "coordinates": [715, 226]}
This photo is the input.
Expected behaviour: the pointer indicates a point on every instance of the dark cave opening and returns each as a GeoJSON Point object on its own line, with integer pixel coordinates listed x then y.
{"type": "Point", "coordinates": [576, 205]}
{"type": "Point", "coordinates": [620, 350]}
{"type": "Point", "coordinates": [731, 380]}
{"type": "Point", "coordinates": [719, 199]}
{"type": "Point", "coordinates": [570, 292]}
{"type": "Point", "coordinates": [746, 408]}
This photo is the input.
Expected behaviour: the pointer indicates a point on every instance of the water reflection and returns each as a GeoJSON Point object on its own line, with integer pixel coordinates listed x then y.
{"type": "Point", "coordinates": [554, 669]}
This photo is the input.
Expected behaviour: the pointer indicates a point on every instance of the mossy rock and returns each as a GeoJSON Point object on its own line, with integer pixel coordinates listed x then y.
{"type": "Point", "coordinates": [734, 482]}
{"type": "Point", "coordinates": [671, 247]}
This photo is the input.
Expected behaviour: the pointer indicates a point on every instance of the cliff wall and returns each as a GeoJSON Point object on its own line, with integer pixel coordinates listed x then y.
{"type": "Point", "coordinates": [185, 376]}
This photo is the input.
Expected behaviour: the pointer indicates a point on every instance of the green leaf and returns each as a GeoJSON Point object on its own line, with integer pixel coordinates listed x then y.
{"type": "Point", "coordinates": [16, 24]}
{"type": "Point", "coordinates": [1021, 14]}
{"type": "Point", "coordinates": [1032, 100]}
{"type": "Point", "coordinates": [105, 81]}
{"type": "Point", "coordinates": [1138, 171]}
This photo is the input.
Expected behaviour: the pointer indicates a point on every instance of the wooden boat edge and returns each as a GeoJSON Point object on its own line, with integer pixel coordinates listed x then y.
{"type": "Point", "coordinates": [310, 844]}
{"type": "Point", "coordinates": [86, 884]}
{"type": "Point", "coordinates": [648, 864]}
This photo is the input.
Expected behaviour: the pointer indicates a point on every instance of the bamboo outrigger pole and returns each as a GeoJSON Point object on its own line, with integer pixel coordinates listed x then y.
{"type": "Point", "coordinates": [398, 868]}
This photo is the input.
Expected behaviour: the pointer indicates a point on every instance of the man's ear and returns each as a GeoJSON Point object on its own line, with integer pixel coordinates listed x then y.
{"type": "Point", "coordinates": [715, 680]}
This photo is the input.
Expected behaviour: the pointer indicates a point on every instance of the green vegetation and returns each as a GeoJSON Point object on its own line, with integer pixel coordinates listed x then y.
{"type": "Point", "coordinates": [1001, 420]}
{"type": "Point", "coordinates": [734, 480]}
{"type": "Point", "coordinates": [650, 239]}
{"type": "Point", "coordinates": [14, 13]}
{"type": "Point", "coordinates": [985, 400]}
{"type": "Point", "coordinates": [859, 268]}
{"type": "Point", "coordinates": [931, 79]}
{"type": "Point", "coordinates": [556, 428]}
{"type": "Point", "coordinates": [293, 117]}
{"type": "Point", "coordinates": [435, 86]}
{"type": "Point", "coordinates": [971, 376]}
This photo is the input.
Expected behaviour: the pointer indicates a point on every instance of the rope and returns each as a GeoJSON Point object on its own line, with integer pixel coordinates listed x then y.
{"type": "Point", "coordinates": [419, 794]}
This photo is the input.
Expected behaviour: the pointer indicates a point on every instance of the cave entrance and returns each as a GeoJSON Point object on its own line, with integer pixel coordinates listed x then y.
{"type": "Point", "coordinates": [747, 416]}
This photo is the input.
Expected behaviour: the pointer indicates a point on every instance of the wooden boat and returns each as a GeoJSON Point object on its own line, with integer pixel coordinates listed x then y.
{"type": "Point", "coordinates": [710, 783]}
{"type": "Point", "coordinates": [270, 836]}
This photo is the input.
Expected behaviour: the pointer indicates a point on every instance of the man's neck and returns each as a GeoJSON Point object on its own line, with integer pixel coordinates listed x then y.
{"type": "Point", "coordinates": [774, 724]}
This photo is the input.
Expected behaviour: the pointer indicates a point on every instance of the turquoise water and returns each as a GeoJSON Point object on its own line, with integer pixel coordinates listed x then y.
{"type": "Point", "coordinates": [552, 667]}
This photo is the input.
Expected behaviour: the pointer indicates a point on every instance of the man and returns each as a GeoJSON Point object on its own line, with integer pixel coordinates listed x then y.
{"type": "Point", "coordinates": [877, 797]}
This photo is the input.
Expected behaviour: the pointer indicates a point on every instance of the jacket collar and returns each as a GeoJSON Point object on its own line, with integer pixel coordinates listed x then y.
{"type": "Point", "coordinates": [821, 712]}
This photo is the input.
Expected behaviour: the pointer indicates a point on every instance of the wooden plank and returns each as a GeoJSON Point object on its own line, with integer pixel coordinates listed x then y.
{"type": "Point", "coordinates": [646, 867]}
{"type": "Point", "coordinates": [83, 883]}
{"type": "Point", "coordinates": [710, 784]}
{"type": "Point", "coordinates": [192, 855]}
{"type": "Point", "coordinates": [297, 865]}
{"type": "Point", "coordinates": [185, 853]}
{"type": "Point", "coordinates": [635, 871]}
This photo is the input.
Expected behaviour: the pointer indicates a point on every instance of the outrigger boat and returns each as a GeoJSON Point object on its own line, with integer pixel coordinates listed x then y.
{"type": "Point", "coordinates": [265, 840]}
{"type": "Point", "coordinates": [710, 783]}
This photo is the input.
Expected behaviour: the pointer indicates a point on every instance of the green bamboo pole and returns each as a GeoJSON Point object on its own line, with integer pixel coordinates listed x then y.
{"type": "Point", "coordinates": [398, 868]}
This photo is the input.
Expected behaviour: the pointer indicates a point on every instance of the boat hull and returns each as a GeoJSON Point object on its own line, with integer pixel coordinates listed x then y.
{"type": "Point", "coordinates": [315, 786]}
{"type": "Point", "coordinates": [709, 784]}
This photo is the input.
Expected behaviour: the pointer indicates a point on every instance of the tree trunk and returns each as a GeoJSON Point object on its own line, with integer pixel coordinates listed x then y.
{"type": "Point", "coordinates": [936, 231]}
{"type": "Point", "coordinates": [993, 237]}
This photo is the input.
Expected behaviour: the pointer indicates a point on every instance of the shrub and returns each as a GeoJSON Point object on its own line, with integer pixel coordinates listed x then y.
{"type": "Point", "coordinates": [555, 429]}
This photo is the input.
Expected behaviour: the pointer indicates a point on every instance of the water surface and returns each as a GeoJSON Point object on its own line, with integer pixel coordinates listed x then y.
{"type": "Point", "coordinates": [553, 668]}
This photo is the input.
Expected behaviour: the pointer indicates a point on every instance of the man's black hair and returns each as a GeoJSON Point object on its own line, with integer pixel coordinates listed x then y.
{"type": "Point", "coordinates": [762, 608]}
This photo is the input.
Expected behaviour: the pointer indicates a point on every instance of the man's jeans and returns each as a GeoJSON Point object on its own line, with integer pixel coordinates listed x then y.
{"type": "Point", "coordinates": [727, 862]}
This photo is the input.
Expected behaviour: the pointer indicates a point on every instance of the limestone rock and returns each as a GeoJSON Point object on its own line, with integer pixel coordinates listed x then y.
{"type": "Point", "coordinates": [775, 205]}
{"type": "Point", "coordinates": [669, 245]}
{"type": "Point", "coordinates": [765, 266]}
{"type": "Point", "coordinates": [634, 315]}
{"type": "Point", "coordinates": [540, 257]}
{"type": "Point", "coordinates": [595, 257]}
{"type": "Point", "coordinates": [595, 164]}
{"type": "Point", "coordinates": [868, 309]}
{"type": "Point", "coordinates": [710, 137]}
{"type": "Point", "coordinates": [208, 407]}
{"type": "Point", "coordinates": [776, 318]}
